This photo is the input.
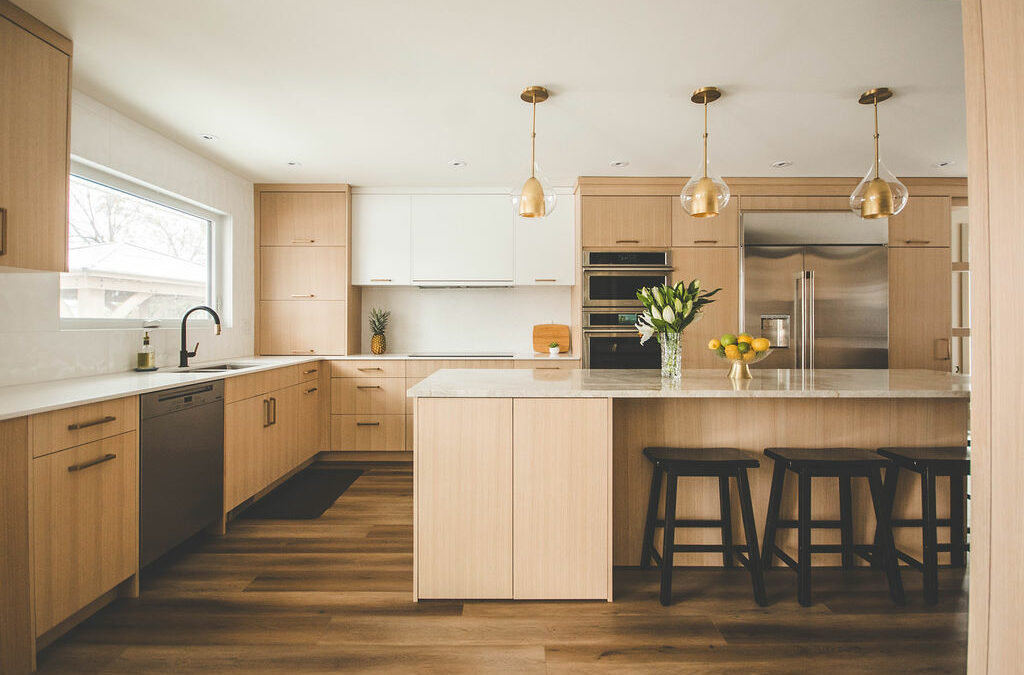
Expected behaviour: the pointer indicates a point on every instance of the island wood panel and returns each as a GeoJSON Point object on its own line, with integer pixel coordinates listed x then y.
{"type": "Point", "coordinates": [721, 230]}
{"type": "Point", "coordinates": [561, 499]}
{"type": "Point", "coordinates": [627, 221]}
{"type": "Point", "coordinates": [463, 486]}
{"type": "Point", "coordinates": [716, 268]}
{"type": "Point", "coordinates": [67, 427]}
{"type": "Point", "coordinates": [17, 640]}
{"type": "Point", "coordinates": [752, 424]}
{"type": "Point", "coordinates": [368, 395]}
{"type": "Point", "coordinates": [920, 318]}
{"type": "Point", "coordinates": [303, 272]}
{"type": "Point", "coordinates": [85, 526]}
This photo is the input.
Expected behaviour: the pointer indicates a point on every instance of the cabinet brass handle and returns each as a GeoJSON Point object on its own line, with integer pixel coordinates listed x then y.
{"type": "Point", "coordinates": [303, 351]}
{"type": "Point", "coordinates": [266, 413]}
{"type": "Point", "coordinates": [548, 280]}
{"type": "Point", "coordinates": [367, 386]}
{"type": "Point", "coordinates": [3, 231]}
{"type": "Point", "coordinates": [705, 241]}
{"type": "Point", "coordinates": [368, 369]}
{"type": "Point", "coordinates": [917, 241]}
{"type": "Point", "coordinates": [83, 425]}
{"type": "Point", "coordinates": [310, 391]}
{"type": "Point", "coordinates": [273, 410]}
{"type": "Point", "coordinates": [380, 280]}
{"type": "Point", "coordinates": [367, 424]}
{"type": "Point", "coordinates": [92, 462]}
{"type": "Point", "coordinates": [303, 241]}
{"type": "Point", "coordinates": [627, 241]}
{"type": "Point", "coordinates": [546, 368]}
{"type": "Point", "coordinates": [303, 295]}
{"type": "Point", "coordinates": [309, 372]}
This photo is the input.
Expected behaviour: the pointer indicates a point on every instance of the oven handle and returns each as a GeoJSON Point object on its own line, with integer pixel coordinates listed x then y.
{"type": "Point", "coordinates": [628, 268]}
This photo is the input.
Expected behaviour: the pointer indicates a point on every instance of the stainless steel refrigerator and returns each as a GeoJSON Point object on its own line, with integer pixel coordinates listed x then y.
{"type": "Point", "coordinates": [817, 285]}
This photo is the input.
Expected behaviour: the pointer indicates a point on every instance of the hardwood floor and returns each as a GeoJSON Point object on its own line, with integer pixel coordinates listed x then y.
{"type": "Point", "coordinates": [334, 595]}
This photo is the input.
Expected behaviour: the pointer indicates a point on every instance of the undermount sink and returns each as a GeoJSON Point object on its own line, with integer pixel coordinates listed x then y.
{"type": "Point", "coordinates": [218, 368]}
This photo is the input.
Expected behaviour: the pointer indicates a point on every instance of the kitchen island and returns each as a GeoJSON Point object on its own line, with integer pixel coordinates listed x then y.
{"type": "Point", "coordinates": [531, 484]}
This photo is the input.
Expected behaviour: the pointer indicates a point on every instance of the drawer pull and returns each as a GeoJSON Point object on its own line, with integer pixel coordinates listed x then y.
{"type": "Point", "coordinates": [303, 351]}
{"type": "Point", "coordinates": [3, 231]}
{"type": "Point", "coordinates": [367, 386]}
{"type": "Point", "coordinates": [917, 241]}
{"type": "Point", "coordinates": [303, 241]}
{"type": "Point", "coordinates": [303, 295]}
{"type": "Point", "coordinates": [705, 241]}
{"type": "Point", "coordinates": [551, 281]}
{"type": "Point", "coordinates": [627, 241]}
{"type": "Point", "coordinates": [310, 391]}
{"type": "Point", "coordinates": [92, 462]}
{"type": "Point", "coordinates": [373, 280]}
{"type": "Point", "coordinates": [309, 372]}
{"type": "Point", "coordinates": [84, 425]}
{"type": "Point", "coordinates": [365, 370]}
{"type": "Point", "coordinates": [367, 424]}
{"type": "Point", "coordinates": [546, 368]}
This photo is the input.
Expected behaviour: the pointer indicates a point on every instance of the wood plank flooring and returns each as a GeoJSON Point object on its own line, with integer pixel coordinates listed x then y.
{"type": "Point", "coordinates": [334, 595]}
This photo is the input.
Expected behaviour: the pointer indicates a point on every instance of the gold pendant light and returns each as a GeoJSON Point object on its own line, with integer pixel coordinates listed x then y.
{"type": "Point", "coordinates": [705, 194]}
{"type": "Point", "coordinates": [537, 198]}
{"type": "Point", "coordinates": [879, 194]}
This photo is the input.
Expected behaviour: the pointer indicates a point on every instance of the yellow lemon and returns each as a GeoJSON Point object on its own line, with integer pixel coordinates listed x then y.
{"type": "Point", "coordinates": [714, 344]}
{"type": "Point", "coordinates": [761, 344]}
{"type": "Point", "coordinates": [743, 337]}
{"type": "Point", "coordinates": [749, 356]}
{"type": "Point", "coordinates": [732, 351]}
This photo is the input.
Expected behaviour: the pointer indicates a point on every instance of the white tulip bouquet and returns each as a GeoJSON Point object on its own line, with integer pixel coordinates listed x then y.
{"type": "Point", "coordinates": [670, 309]}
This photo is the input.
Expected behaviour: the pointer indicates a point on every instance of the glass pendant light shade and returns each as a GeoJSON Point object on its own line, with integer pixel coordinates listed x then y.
{"type": "Point", "coordinates": [879, 194]}
{"type": "Point", "coordinates": [705, 194]}
{"type": "Point", "coordinates": [537, 197]}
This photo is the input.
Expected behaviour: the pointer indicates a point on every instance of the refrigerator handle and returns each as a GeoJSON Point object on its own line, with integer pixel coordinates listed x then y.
{"type": "Point", "coordinates": [800, 331]}
{"type": "Point", "coordinates": [809, 308]}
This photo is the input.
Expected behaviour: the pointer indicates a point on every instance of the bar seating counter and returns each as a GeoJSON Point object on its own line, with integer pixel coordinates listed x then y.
{"type": "Point", "coordinates": [553, 486]}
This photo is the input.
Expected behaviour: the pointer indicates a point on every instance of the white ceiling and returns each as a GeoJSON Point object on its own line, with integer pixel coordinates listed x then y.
{"type": "Point", "coordinates": [386, 92]}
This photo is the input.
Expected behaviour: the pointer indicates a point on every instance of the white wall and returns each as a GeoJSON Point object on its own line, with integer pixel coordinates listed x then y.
{"type": "Point", "coordinates": [32, 346]}
{"type": "Point", "coordinates": [465, 319]}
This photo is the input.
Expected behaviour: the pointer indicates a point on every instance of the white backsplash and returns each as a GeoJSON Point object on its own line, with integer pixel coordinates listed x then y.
{"type": "Point", "coordinates": [465, 319]}
{"type": "Point", "coordinates": [32, 346]}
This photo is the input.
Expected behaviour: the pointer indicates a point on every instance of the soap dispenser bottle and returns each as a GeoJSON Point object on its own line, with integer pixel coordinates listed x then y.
{"type": "Point", "coordinates": [146, 357]}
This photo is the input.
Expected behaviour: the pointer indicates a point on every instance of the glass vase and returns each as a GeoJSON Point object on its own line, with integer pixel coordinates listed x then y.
{"type": "Point", "coordinates": [671, 356]}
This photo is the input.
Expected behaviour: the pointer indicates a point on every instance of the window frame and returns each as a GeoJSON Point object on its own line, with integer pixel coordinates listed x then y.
{"type": "Point", "coordinates": [215, 277]}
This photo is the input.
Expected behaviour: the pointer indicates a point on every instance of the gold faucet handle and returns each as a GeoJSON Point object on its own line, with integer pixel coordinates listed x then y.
{"type": "Point", "coordinates": [216, 329]}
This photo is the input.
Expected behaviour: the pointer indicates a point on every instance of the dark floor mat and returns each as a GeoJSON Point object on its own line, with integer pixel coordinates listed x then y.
{"type": "Point", "coordinates": [304, 496]}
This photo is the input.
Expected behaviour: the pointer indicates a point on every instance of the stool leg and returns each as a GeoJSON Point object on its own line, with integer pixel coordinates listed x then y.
{"type": "Point", "coordinates": [750, 534]}
{"type": "Point", "coordinates": [666, 549]}
{"type": "Point", "coordinates": [846, 520]}
{"type": "Point", "coordinates": [892, 479]}
{"type": "Point", "coordinates": [804, 539]}
{"type": "Point", "coordinates": [774, 504]}
{"type": "Point", "coordinates": [929, 532]}
{"type": "Point", "coordinates": [723, 498]}
{"type": "Point", "coordinates": [886, 551]}
{"type": "Point", "coordinates": [652, 515]}
{"type": "Point", "coordinates": [957, 488]}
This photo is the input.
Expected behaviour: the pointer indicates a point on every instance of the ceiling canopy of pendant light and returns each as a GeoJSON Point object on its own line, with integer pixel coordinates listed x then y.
{"type": "Point", "coordinates": [705, 194]}
{"type": "Point", "coordinates": [537, 198]}
{"type": "Point", "coordinates": [879, 194]}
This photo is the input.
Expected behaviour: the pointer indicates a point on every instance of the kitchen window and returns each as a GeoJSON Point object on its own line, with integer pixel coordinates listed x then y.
{"type": "Point", "coordinates": [134, 254]}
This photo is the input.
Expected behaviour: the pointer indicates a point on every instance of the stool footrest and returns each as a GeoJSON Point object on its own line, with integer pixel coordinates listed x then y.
{"type": "Point", "coordinates": [690, 522]}
{"type": "Point", "coordinates": [917, 522]}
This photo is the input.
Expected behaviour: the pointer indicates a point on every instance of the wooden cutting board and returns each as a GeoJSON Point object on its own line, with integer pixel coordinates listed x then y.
{"type": "Point", "coordinates": [546, 333]}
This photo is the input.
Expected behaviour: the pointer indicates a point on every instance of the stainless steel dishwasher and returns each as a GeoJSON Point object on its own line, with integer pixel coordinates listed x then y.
{"type": "Point", "coordinates": [181, 465]}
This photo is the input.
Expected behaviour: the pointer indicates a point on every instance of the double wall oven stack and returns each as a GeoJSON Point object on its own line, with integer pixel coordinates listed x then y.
{"type": "Point", "coordinates": [610, 282]}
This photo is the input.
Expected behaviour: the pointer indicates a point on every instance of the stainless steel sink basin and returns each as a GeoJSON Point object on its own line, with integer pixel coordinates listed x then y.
{"type": "Point", "coordinates": [218, 368]}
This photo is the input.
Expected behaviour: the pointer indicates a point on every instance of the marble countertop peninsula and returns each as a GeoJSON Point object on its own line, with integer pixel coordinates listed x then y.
{"type": "Point", "coordinates": [766, 383]}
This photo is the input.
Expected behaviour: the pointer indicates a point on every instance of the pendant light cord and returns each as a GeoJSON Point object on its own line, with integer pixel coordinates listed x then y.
{"type": "Point", "coordinates": [533, 138]}
{"type": "Point", "coordinates": [876, 137]}
{"type": "Point", "coordinates": [705, 136]}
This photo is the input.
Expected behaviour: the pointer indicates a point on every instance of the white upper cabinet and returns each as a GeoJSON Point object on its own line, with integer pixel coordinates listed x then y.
{"type": "Point", "coordinates": [462, 239]}
{"type": "Point", "coordinates": [546, 247]}
{"type": "Point", "coordinates": [381, 240]}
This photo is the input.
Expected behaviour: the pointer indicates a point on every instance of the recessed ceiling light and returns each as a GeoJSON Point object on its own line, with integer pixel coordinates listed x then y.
{"type": "Point", "coordinates": [208, 137]}
{"type": "Point", "coordinates": [943, 163]}
{"type": "Point", "coordinates": [619, 163]}
{"type": "Point", "coordinates": [458, 163]}
{"type": "Point", "coordinates": [781, 164]}
{"type": "Point", "coordinates": [294, 163]}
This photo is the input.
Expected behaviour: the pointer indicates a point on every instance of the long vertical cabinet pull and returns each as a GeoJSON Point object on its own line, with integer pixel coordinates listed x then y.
{"type": "Point", "coordinates": [273, 410]}
{"type": "Point", "coordinates": [266, 413]}
{"type": "Point", "coordinates": [3, 231]}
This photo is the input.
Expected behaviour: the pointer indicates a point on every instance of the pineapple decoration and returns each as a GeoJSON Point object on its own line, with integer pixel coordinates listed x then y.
{"type": "Point", "coordinates": [378, 325]}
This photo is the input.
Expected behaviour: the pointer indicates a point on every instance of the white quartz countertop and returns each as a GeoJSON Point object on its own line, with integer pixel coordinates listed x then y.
{"type": "Point", "coordinates": [767, 383]}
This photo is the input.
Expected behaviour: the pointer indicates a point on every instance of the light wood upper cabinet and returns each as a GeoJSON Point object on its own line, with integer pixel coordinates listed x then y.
{"type": "Point", "coordinates": [716, 268]}
{"type": "Point", "coordinates": [305, 327]}
{"type": "Point", "coordinates": [34, 112]}
{"type": "Point", "coordinates": [85, 514]}
{"type": "Point", "coordinates": [722, 230]}
{"type": "Point", "coordinates": [303, 218]}
{"type": "Point", "coordinates": [627, 221]}
{"type": "Point", "coordinates": [546, 247]}
{"type": "Point", "coordinates": [303, 272]}
{"type": "Point", "coordinates": [462, 238]}
{"type": "Point", "coordinates": [920, 319]}
{"type": "Point", "coordinates": [925, 221]}
{"type": "Point", "coordinates": [381, 240]}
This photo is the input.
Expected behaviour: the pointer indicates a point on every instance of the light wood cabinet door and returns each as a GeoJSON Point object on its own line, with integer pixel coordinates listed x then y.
{"type": "Point", "coordinates": [716, 268]}
{"type": "Point", "coordinates": [17, 640]}
{"type": "Point", "coordinates": [302, 327]}
{"type": "Point", "coordinates": [381, 240]}
{"type": "Point", "coordinates": [373, 431]}
{"type": "Point", "coordinates": [561, 497]}
{"type": "Point", "coordinates": [368, 368]}
{"type": "Point", "coordinates": [33, 151]}
{"type": "Point", "coordinates": [85, 504]}
{"type": "Point", "coordinates": [464, 498]}
{"type": "Point", "coordinates": [303, 218]}
{"type": "Point", "coordinates": [366, 395]}
{"type": "Point", "coordinates": [311, 421]}
{"type": "Point", "coordinates": [245, 453]}
{"type": "Point", "coordinates": [627, 221]}
{"type": "Point", "coordinates": [924, 221]}
{"type": "Point", "coordinates": [67, 427]}
{"type": "Point", "coordinates": [920, 308]}
{"type": "Point", "coordinates": [722, 230]}
{"type": "Point", "coordinates": [303, 272]}
{"type": "Point", "coordinates": [284, 437]}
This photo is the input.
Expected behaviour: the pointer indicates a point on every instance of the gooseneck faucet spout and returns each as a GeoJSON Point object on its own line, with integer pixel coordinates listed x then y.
{"type": "Point", "coordinates": [184, 354]}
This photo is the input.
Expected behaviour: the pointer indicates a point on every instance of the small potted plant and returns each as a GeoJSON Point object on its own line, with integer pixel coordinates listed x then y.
{"type": "Point", "coordinates": [668, 310]}
{"type": "Point", "coordinates": [378, 325]}
{"type": "Point", "coordinates": [553, 348]}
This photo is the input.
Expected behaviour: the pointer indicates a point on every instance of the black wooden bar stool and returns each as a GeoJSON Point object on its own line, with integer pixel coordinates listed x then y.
{"type": "Point", "coordinates": [954, 462]}
{"type": "Point", "coordinates": [843, 464]}
{"type": "Point", "coordinates": [721, 463]}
